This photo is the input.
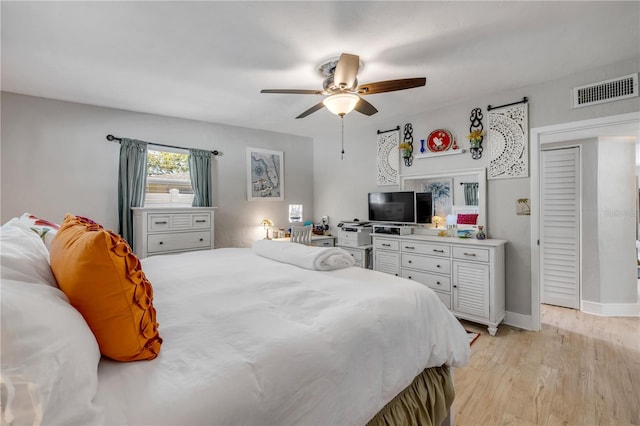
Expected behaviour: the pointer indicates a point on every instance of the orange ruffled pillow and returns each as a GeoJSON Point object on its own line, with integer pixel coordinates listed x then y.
{"type": "Point", "coordinates": [103, 280]}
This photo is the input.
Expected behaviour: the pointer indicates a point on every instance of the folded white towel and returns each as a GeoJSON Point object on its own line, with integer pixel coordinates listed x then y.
{"type": "Point", "coordinates": [308, 257]}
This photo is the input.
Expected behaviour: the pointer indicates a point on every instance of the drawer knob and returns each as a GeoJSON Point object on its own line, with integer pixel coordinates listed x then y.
{"type": "Point", "coordinates": [437, 266]}
{"type": "Point", "coordinates": [469, 254]}
{"type": "Point", "coordinates": [438, 282]}
{"type": "Point", "coordinates": [200, 221]}
{"type": "Point", "coordinates": [438, 251]}
{"type": "Point", "coordinates": [409, 277]}
{"type": "Point", "coordinates": [386, 245]}
{"type": "Point", "coordinates": [409, 247]}
{"type": "Point", "coordinates": [201, 239]}
{"type": "Point", "coordinates": [161, 243]}
{"type": "Point", "coordinates": [164, 222]}
{"type": "Point", "coordinates": [409, 261]}
{"type": "Point", "coordinates": [455, 286]}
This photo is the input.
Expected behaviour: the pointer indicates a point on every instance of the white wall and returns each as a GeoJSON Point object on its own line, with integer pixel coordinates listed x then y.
{"type": "Point", "coordinates": [617, 220]}
{"type": "Point", "coordinates": [340, 187]}
{"type": "Point", "coordinates": [55, 159]}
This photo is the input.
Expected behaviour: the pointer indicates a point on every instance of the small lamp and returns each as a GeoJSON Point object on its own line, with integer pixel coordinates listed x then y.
{"type": "Point", "coordinates": [437, 221]}
{"type": "Point", "coordinates": [266, 224]}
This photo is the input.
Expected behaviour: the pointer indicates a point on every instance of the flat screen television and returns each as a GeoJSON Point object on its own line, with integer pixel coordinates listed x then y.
{"type": "Point", "coordinates": [392, 207]}
{"type": "Point", "coordinates": [424, 207]}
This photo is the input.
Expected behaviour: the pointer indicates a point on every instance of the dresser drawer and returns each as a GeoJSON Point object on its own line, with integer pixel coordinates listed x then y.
{"type": "Point", "coordinates": [179, 241]}
{"type": "Point", "coordinates": [426, 263]}
{"type": "Point", "coordinates": [159, 222]}
{"type": "Point", "coordinates": [468, 253]}
{"type": "Point", "coordinates": [436, 282]}
{"type": "Point", "coordinates": [201, 221]}
{"type": "Point", "coordinates": [386, 244]}
{"type": "Point", "coordinates": [426, 248]}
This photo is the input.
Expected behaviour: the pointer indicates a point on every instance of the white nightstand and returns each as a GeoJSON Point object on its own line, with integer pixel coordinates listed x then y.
{"type": "Point", "coordinates": [361, 255]}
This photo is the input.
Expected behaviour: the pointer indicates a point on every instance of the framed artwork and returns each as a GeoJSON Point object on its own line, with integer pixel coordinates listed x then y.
{"type": "Point", "coordinates": [265, 178]}
{"type": "Point", "coordinates": [442, 191]}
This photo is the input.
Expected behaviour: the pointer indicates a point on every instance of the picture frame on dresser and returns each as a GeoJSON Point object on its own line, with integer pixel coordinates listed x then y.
{"type": "Point", "coordinates": [265, 175]}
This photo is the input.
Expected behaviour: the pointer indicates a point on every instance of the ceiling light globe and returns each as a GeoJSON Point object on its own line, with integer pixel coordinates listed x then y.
{"type": "Point", "coordinates": [341, 103]}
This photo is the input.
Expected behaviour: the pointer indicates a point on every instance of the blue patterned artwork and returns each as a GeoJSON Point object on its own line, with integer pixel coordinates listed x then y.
{"type": "Point", "coordinates": [265, 180]}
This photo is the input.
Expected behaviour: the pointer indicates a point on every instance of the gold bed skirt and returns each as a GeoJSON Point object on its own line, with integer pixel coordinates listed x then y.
{"type": "Point", "coordinates": [426, 401]}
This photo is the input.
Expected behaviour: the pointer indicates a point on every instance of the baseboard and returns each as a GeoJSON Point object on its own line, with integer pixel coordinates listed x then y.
{"type": "Point", "coordinates": [518, 320]}
{"type": "Point", "coordinates": [611, 309]}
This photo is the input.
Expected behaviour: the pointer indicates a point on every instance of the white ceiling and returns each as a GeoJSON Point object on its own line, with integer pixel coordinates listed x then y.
{"type": "Point", "coordinates": [208, 60]}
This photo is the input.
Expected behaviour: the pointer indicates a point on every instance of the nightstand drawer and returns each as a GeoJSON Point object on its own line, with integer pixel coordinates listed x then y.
{"type": "Point", "coordinates": [179, 241]}
{"type": "Point", "coordinates": [356, 254]}
{"type": "Point", "coordinates": [426, 263]}
{"type": "Point", "coordinates": [436, 282]}
{"type": "Point", "coordinates": [467, 253]}
{"type": "Point", "coordinates": [322, 242]}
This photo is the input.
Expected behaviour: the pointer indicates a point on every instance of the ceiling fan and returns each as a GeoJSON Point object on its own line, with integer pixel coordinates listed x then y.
{"type": "Point", "coordinates": [342, 90]}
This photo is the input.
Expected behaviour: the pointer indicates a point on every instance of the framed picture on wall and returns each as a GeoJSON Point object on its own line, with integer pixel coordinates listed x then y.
{"type": "Point", "coordinates": [265, 177]}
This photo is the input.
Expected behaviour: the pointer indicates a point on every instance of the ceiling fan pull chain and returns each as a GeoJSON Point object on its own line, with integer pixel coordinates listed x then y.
{"type": "Point", "coordinates": [342, 121]}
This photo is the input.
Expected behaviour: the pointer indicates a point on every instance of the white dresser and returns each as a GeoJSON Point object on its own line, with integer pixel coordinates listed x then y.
{"type": "Point", "coordinates": [467, 274]}
{"type": "Point", "coordinates": [161, 230]}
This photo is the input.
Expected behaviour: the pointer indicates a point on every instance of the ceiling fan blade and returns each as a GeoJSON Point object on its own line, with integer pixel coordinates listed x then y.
{"type": "Point", "coordinates": [390, 85]}
{"type": "Point", "coordinates": [365, 107]}
{"type": "Point", "coordinates": [311, 110]}
{"type": "Point", "coordinates": [293, 91]}
{"type": "Point", "coordinates": [346, 70]}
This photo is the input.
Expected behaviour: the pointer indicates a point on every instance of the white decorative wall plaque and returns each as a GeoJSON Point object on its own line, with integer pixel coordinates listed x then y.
{"type": "Point", "coordinates": [388, 158]}
{"type": "Point", "coordinates": [508, 142]}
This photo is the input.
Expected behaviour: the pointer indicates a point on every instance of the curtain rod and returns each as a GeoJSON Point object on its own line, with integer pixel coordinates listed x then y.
{"type": "Point", "coordinates": [113, 138]}
{"type": "Point", "coordinates": [523, 101]}
{"type": "Point", "coordinates": [390, 130]}
{"type": "Point", "coordinates": [468, 183]}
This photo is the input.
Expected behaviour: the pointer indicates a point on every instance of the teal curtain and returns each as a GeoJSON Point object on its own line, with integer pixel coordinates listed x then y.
{"type": "Point", "coordinates": [200, 172]}
{"type": "Point", "coordinates": [132, 179]}
{"type": "Point", "coordinates": [471, 194]}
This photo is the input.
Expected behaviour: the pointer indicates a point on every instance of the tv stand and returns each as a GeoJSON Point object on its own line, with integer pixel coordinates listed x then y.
{"type": "Point", "coordinates": [391, 229]}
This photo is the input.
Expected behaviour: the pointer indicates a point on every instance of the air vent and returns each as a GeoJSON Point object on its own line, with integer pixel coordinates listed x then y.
{"type": "Point", "coordinates": [606, 91]}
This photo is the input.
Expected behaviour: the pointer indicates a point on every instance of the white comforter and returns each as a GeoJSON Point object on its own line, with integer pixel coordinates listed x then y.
{"type": "Point", "coordinates": [251, 341]}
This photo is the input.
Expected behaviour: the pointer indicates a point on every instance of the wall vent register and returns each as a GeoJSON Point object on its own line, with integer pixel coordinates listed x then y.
{"type": "Point", "coordinates": [606, 91]}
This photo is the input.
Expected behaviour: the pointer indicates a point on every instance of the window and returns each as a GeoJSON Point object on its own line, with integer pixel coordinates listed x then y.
{"type": "Point", "coordinates": [168, 179]}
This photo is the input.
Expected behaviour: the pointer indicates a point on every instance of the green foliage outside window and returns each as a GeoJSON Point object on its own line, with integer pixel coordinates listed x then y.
{"type": "Point", "coordinates": [166, 163]}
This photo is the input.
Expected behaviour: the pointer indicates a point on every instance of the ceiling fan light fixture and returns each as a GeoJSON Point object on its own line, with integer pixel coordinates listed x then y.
{"type": "Point", "coordinates": [341, 103]}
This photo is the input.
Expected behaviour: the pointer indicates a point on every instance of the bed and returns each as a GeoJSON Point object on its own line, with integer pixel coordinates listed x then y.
{"type": "Point", "coordinates": [246, 339]}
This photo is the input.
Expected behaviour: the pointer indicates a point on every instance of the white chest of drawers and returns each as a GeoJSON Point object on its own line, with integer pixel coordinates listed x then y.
{"type": "Point", "coordinates": [467, 275]}
{"type": "Point", "coordinates": [161, 230]}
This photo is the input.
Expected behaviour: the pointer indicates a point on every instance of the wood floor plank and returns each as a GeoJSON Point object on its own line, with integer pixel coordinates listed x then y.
{"type": "Point", "coordinates": [579, 369]}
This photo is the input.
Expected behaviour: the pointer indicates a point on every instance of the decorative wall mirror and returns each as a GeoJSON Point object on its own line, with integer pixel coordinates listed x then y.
{"type": "Point", "coordinates": [454, 192]}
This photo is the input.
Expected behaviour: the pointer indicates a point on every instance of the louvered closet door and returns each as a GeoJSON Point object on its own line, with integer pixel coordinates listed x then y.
{"type": "Point", "coordinates": [560, 213]}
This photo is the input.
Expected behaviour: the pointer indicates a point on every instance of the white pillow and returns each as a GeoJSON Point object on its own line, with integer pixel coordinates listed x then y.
{"type": "Point", "coordinates": [47, 343]}
{"type": "Point", "coordinates": [23, 255]}
{"type": "Point", "coordinates": [43, 228]}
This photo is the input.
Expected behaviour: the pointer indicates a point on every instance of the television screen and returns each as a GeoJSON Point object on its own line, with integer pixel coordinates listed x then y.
{"type": "Point", "coordinates": [392, 207]}
{"type": "Point", "coordinates": [424, 207]}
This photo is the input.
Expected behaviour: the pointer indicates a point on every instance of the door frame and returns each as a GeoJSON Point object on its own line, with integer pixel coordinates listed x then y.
{"type": "Point", "coordinates": [615, 125]}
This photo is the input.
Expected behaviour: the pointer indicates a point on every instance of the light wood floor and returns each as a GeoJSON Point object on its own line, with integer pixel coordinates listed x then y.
{"type": "Point", "coordinates": [579, 369]}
